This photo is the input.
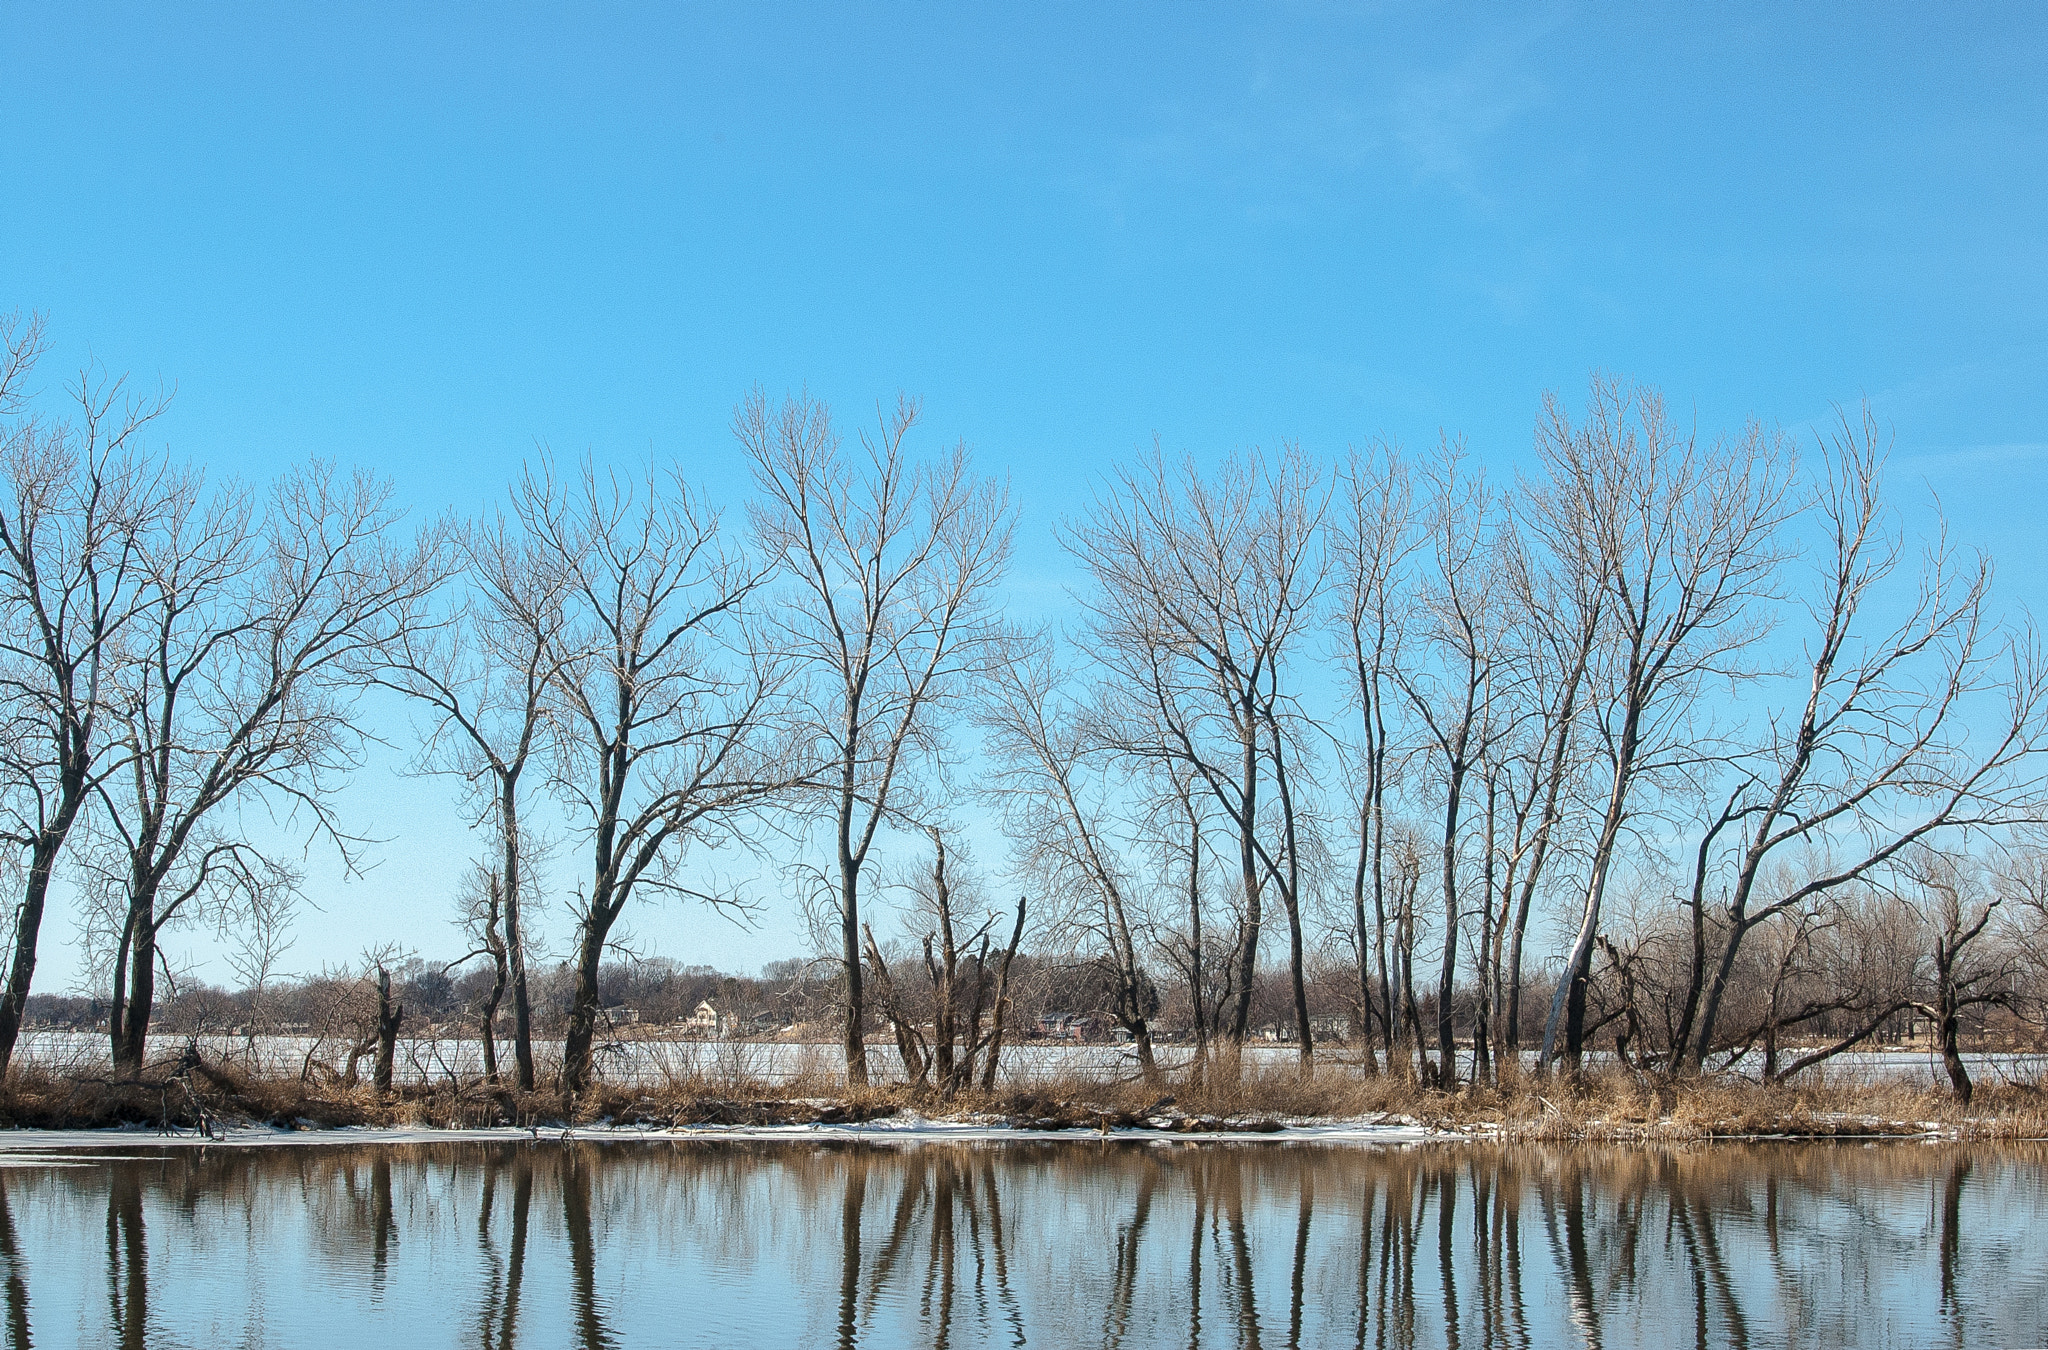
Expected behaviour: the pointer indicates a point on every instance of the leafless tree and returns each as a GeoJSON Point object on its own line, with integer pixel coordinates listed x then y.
{"type": "Point", "coordinates": [74, 497]}
{"type": "Point", "coordinates": [1178, 828]}
{"type": "Point", "coordinates": [486, 671]}
{"type": "Point", "coordinates": [482, 903]}
{"type": "Point", "coordinates": [1371, 540]}
{"type": "Point", "coordinates": [256, 946]}
{"type": "Point", "coordinates": [240, 693]}
{"type": "Point", "coordinates": [1682, 542]}
{"type": "Point", "coordinates": [1056, 811]}
{"type": "Point", "coordinates": [1537, 763]}
{"type": "Point", "coordinates": [2022, 881]}
{"type": "Point", "coordinates": [1202, 591]}
{"type": "Point", "coordinates": [1452, 683]}
{"type": "Point", "coordinates": [1889, 749]}
{"type": "Point", "coordinates": [665, 698]}
{"type": "Point", "coordinates": [390, 1016]}
{"type": "Point", "coordinates": [891, 610]}
{"type": "Point", "coordinates": [1968, 972]}
{"type": "Point", "coordinates": [968, 984]}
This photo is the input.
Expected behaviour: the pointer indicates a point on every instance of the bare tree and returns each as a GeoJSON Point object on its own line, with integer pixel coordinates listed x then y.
{"type": "Point", "coordinates": [241, 691]}
{"type": "Point", "coordinates": [1968, 973]}
{"type": "Point", "coordinates": [390, 1016]}
{"type": "Point", "coordinates": [965, 985]}
{"type": "Point", "coordinates": [665, 699]}
{"type": "Point", "coordinates": [1370, 543]}
{"type": "Point", "coordinates": [1178, 826]}
{"type": "Point", "coordinates": [1556, 627]}
{"type": "Point", "coordinates": [1681, 541]}
{"type": "Point", "coordinates": [74, 497]}
{"type": "Point", "coordinates": [892, 611]}
{"type": "Point", "coordinates": [1054, 811]}
{"type": "Point", "coordinates": [1888, 750]}
{"type": "Point", "coordinates": [1202, 591]}
{"type": "Point", "coordinates": [482, 917]}
{"type": "Point", "coordinates": [2022, 881]}
{"type": "Point", "coordinates": [486, 672]}
{"type": "Point", "coordinates": [1451, 685]}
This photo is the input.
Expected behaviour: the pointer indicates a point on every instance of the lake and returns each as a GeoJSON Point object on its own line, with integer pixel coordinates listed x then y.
{"type": "Point", "coordinates": [1071, 1243]}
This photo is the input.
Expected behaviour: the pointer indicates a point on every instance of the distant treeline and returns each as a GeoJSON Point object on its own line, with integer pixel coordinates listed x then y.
{"type": "Point", "coordinates": [1771, 768]}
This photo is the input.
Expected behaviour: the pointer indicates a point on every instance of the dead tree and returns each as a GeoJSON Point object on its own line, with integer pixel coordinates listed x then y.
{"type": "Point", "coordinates": [966, 988]}
{"type": "Point", "coordinates": [1539, 758]}
{"type": "Point", "coordinates": [483, 911]}
{"type": "Point", "coordinates": [891, 612]}
{"type": "Point", "coordinates": [390, 1015]}
{"type": "Point", "coordinates": [1967, 973]}
{"type": "Point", "coordinates": [1179, 842]}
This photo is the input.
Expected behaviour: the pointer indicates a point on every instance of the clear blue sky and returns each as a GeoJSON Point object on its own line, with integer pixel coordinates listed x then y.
{"type": "Point", "coordinates": [425, 241]}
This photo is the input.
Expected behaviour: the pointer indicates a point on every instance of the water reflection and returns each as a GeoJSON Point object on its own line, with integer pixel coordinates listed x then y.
{"type": "Point", "coordinates": [16, 1284]}
{"type": "Point", "coordinates": [1108, 1244]}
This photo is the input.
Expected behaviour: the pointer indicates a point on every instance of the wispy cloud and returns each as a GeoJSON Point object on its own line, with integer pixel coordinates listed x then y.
{"type": "Point", "coordinates": [1291, 134]}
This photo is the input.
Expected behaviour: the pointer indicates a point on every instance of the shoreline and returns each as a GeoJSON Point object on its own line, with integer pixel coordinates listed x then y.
{"type": "Point", "coordinates": [34, 1146]}
{"type": "Point", "coordinates": [192, 1101]}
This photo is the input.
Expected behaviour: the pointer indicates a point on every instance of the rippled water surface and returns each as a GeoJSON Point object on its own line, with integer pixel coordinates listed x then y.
{"type": "Point", "coordinates": [1069, 1244]}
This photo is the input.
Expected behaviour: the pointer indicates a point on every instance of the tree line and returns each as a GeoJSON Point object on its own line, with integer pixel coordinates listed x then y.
{"type": "Point", "coordinates": [1770, 765]}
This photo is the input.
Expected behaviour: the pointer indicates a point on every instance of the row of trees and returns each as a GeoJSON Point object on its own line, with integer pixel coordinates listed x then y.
{"type": "Point", "coordinates": [1694, 669]}
{"type": "Point", "coordinates": [1393, 706]}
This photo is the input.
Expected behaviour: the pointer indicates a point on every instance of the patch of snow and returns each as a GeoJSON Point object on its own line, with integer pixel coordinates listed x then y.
{"type": "Point", "coordinates": [34, 1147]}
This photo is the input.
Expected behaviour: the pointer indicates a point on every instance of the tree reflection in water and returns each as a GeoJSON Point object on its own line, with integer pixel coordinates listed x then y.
{"type": "Point", "coordinates": [1071, 1244]}
{"type": "Point", "coordinates": [17, 1283]}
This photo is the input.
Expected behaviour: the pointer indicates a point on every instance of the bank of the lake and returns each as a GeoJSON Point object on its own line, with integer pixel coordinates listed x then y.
{"type": "Point", "coordinates": [193, 1097]}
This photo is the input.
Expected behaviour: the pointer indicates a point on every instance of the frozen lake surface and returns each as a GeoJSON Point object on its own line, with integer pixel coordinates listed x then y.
{"type": "Point", "coordinates": [651, 1062]}
{"type": "Point", "coordinates": [1076, 1243]}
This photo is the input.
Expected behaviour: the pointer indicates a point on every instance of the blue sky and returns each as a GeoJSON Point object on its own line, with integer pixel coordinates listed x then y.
{"type": "Point", "coordinates": [427, 241]}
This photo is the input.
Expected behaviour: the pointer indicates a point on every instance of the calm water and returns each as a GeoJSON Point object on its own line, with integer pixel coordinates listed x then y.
{"type": "Point", "coordinates": [1084, 1244]}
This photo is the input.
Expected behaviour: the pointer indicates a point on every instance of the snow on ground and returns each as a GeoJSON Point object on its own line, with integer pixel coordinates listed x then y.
{"type": "Point", "coordinates": [34, 1147]}
{"type": "Point", "coordinates": [1024, 1064]}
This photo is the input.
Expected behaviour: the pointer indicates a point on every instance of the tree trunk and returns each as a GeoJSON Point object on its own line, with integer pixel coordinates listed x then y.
{"type": "Point", "coordinates": [389, 1015]}
{"type": "Point", "coordinates": [486, 1027]}
{"type": "Point", "coordinates": [1365, 995]}
{"type": "Point", "coordinates": [515, 937]}
{"type": "Point", "coordinates": [1568, 1004]}
{"type": "Point", "coordinates": [1247, 954]}
{"type": "Point", "coordinates": [1197, 995]}
{"type": "Point", "coordinates": [916, 1066]}
{"type": "Point", "coordinates": [584, 1004]}
{"type": "Point", "coordinates": [1951, 1053]}
{"type": "Point", "coordinates": [945, 980]}
{"type": "Point", "coordinates": [1000, 1016]}
{"type": "Point", "coordinates": [1949, 1023]}
{"type": "Point", "coordinates": [1296, 978]}
{"type": "Point", "coordinates": [1489, 953]}
{"type": "Point", "coordinates": [28, 925]}
{"type": "Point", "coordinates": [854, 1038]}
{"type": "Point", "coordinates": [1446, 1020]}
{"type": "Point", "coordinates": [129, 1023]}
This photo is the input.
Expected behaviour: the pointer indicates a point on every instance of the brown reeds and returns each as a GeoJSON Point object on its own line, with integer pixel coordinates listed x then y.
{"type": "Point", "coordinates": [192, 1093]}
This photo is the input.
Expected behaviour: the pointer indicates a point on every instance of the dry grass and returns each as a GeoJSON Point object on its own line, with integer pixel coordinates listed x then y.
{"type": "Point", "coordinates": [1613, 1106]}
